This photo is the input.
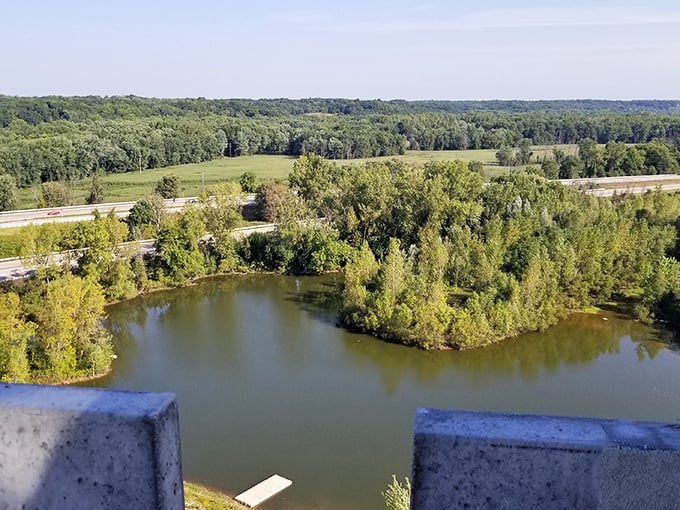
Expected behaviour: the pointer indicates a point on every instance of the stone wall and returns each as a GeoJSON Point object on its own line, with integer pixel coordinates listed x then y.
{"type": "Point", "coordinates": [79, 448]}
{"type": "Point", "coordinates": [504, 461]}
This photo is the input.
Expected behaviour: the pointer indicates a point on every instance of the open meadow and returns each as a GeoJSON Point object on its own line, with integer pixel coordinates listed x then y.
{"type": "Point", "coordinates": [193, 177]}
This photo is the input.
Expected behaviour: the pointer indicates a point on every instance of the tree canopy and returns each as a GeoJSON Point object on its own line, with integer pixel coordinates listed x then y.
{"type": "Point", "coordinates": [70, 138]}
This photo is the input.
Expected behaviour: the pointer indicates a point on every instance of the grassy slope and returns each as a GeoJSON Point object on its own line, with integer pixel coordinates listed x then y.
{"type": "Point", "coordinates": [133, 185]}
{"type": "Point", "coordinates": [198, 497]}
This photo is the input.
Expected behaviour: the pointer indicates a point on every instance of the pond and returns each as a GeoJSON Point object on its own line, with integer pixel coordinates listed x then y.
{"type": "Point", "coordinates": [267, 383]}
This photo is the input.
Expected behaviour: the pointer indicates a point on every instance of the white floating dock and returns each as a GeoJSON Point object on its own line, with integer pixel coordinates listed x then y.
{"type": "Point", "coordinates": [263, 490]}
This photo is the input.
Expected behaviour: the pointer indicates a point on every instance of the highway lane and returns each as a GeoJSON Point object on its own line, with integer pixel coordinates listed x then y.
{"type": "Point", "coordinates": [25, 217]}
{"type": "Point", "coordinates": [622, 179]}
{"type": "Point", "coordinates": [633, 189]}
{"type": "Point", "coordinates": [637, 185]}
{"type": "Point", "coordinates": [15, 268]}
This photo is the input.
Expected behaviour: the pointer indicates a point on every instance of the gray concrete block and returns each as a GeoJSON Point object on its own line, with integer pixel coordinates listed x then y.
{"type": "Point", "coordinates": [639, 479]}
{"type": "Point", "coordinates": [80, 448]}
{"type": "Point", "coordinates": [504, 461]}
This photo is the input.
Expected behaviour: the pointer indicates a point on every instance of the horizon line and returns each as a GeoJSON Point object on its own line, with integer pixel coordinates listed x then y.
{"type": "Point", "coordinates": [345, 98]}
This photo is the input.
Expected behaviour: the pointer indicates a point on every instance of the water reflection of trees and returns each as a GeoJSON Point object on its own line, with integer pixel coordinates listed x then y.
{"type": "Point", "coordinates": [578, 340]}
{"type": "Point", "coordinates": [196, 316]}
{"type": "Point", "coordinates": [321, 301]}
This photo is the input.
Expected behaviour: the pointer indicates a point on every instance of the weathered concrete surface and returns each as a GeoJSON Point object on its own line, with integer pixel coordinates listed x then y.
{"type": "Point", "coordinates": [503, 461]}
{"type": "Point", "coordinates": [80, 448]}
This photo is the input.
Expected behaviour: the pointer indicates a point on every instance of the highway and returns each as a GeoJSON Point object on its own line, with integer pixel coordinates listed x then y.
{"type": "Point", "coordinates": [636, 184]}
{"type": "Point", "coordinates": [14, 268]}
{"type": "Point", "coordinates": [633, 189]}
{"type": "Point", "coordinates": [85, 212]}
{"type": "Point", "coordinates": [629, 185]}
{"type": "Point", "coordinates": [618, 180]}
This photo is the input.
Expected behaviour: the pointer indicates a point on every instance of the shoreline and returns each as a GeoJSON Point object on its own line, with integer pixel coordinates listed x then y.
{"type": "Point", "coordinates": [72, 380]}
{"type": "Point", "coordinates": [621, 309]}
{"type": "Point", "coordinates": [192, 283]}
{"type": "Point", "coordinates": [201, 497]}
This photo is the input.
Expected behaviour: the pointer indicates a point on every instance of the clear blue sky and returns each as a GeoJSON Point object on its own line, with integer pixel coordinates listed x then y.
{"type": "Point", "coordinates": [368, 49]}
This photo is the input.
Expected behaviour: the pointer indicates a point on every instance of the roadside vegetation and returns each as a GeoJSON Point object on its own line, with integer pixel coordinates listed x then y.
{"type": "Point", "coordinates": [195, 177]}
{"type": "Point", "coordinates": [432, 257]}
{"type": "Point", "coordinates": [436, 254]}
{"type": "Point", "coordinates": [70, 140]}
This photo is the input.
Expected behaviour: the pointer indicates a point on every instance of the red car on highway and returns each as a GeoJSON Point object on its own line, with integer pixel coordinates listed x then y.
{"type": "Point", "coordinates": [54, 213]}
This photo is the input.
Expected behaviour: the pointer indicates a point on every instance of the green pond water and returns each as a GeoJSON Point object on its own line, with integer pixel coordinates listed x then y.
{"type": "Point", "coordinates": [267, 383]}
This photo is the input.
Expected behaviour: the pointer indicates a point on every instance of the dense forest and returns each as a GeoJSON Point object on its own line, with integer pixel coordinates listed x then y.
{"type": "Point", "coordinates": [438, 259]}
{"type": "Point", "coordinates": [432, 257]}
{"type": "Point", "coordinates": [35, 110]}
{"type": "Point", "coordinates": [62, 138]}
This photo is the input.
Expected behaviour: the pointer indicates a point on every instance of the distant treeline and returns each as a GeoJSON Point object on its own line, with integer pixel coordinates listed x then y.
{"type": "Point", "coordinates": [51, 139]}
{"type": "Point", "coordinates": [36, 110]}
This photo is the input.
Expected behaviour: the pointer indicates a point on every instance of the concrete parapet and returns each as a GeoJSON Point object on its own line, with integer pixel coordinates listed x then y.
{"type": "Point", "coordinates": [503, 461]}
{"type": "Point", "coordinates": [79, 448]}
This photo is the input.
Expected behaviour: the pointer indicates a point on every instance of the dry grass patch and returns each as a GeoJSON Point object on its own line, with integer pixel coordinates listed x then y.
{"type": "Point", "coordinates": [198, 497]}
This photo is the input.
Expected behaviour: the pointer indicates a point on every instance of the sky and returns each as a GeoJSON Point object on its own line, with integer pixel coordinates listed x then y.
{"type": "Point", "coordinates": [396, 49]}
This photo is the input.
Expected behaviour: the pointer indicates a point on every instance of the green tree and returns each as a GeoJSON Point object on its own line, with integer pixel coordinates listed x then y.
{"type": "Point", "coordinates": [524, 153]}
{"type": "Point", "coordinates": [658, 159]}
{"type": "Point", "coordinates": [102, 256]}
{"type": "Point", "coordinates": [615, 154]}
{"type": "Point", "coordinates": [178, 247]}
{"type": "Point", "coordinates": [248, 182]}
{"type": "Point", "coordinates": [633, 162]}
{"type": "Point", "coordinates": [571, 168]}
{"type": "Point", "coordinates": [661, 292]}
{"type": "Point", "coordinates": [167, 187]}
{"type": "Point", "coordinates": [277, 203]}
{"type": "Point", "coordinates": [55, 194]}
{"type": "Point", "coordinates": [313, 177]}
{"type": "Point", "coordinates": [393, 315]}
{"type": "Point", "coordinates": [221, 211]}
{"type": "Point", "coordinates": [359, 271]}
{"type": "Point", "coordinates": [8, 192]}
{"type": "Point", "coordinates": [220, 208]}
{"type": "Point", "coordinates": [592, 157]}
{"type": "Point", "coordinates": [505, 156]}
{"type": "Point", "coordinates": [148, 211]}
{"type": "Point", "coordinates": [38, 243]}
{"type": "Point", "coordinates": [96, 193]}
{"type": "Point", "coordinates": [70, 334]}
{"type": "Point", "coordinates": [476, 166]}
{"type": "Point", "coordinates": [550, 169]}
{"type": "Point", "coordinates": [15, 333]}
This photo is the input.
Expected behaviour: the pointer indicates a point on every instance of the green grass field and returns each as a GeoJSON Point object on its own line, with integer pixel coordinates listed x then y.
{"type": "Point", "coordinates": [134, 185]}
{"type": "Point", "coordinates": [485, 156]}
